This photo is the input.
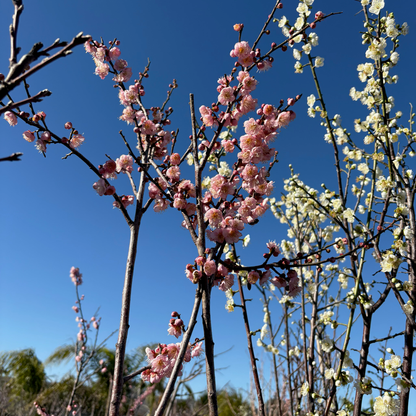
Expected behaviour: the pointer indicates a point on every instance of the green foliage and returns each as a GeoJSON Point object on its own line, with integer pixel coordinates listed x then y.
{"type": "Point", "coordinates": [25, 369]}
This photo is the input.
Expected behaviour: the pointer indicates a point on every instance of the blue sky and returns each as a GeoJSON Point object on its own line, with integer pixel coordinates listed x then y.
{"type": "Point", "coordinates": [51, 219]}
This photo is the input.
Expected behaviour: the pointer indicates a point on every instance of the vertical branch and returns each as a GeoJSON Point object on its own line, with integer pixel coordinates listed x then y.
{"type": "Point", "coordinates": [18, 9]}
{"type": "Point", "coordinates": [118, 381]}
{"type": "Point", "coordinates": [250, 350]}
{"type": "Point", "coordinates": [117, 388]}
{"type": "Point", "coordinates": [276, 376]}
{"type": "Point", "coordinates": [205, 282]}
{"type": "Point", "coordinates": [175, 372]}
{"type": "Point", "coordinates": [209, 346]}
{"type": "Point", "coordinates": [289, 373]}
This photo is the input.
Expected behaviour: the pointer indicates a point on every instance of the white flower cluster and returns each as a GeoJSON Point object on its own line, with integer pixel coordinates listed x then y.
{"type": "Point", "coordinates": [386, 405]}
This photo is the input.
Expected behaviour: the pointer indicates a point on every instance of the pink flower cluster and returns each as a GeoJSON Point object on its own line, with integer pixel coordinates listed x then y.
{"type": "Point", "coordinates": [220, 273]}
{"type": "Point", "coordinates": [103, 188]}
{"type": "Point", "coordinates": [243, 52]}
{"type": "Point", "coordinates": [290, 282]}
{"type": "Point", "coordinates": [75, 276]}
{"type": "Point", "coordinates": [102, 54]}
{"type": "Point", "coordinates": [162, 360]}
{"type": "Point", "coordinates": [175, 327]}
{"type": "Point", "coordinates": [40, 410]}
{"type": "Point", "coordinates": [126, 200]}
{"type": "Point", "coordinates": [44, 139]}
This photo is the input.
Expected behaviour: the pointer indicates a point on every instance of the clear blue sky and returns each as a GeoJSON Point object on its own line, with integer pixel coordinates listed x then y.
{"type": "Point", "coordinates": [51, 219]}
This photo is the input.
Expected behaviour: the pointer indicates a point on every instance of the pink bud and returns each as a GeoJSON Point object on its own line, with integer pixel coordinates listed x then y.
{"type": "Point", "coordinates": [68, 125]}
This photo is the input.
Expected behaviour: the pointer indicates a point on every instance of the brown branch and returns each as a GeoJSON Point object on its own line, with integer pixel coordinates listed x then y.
{"type": "Point", "coordinates": [12, 158]}
{"type": "Point", "coordinates": [33, 99]}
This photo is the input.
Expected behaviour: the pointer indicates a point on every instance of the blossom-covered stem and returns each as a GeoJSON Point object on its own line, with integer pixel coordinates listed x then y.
{"type": "Point", "coordinates": [365, 348]}
{"type": "Point", "coordinates": [330, 131]}
{"type": "Point", "coordinates": [250, 350]}
{"type": "Point", "coordinates": [85, 160]}
{"type": "Point", "coordinates": [185, 341]}
{"type": "Point", "coordinates": [407, 363]}
{"type": "Point", "coordinates": [198, 184]}
{"type": "Point", "coordinates": [272, 337]}
{"type": "Point", "coordinates": [346, 339]}
{"type": "Point", "coordinates": [74, 387]}
{"type": "Point", "coordinates": [409, 328]}
{"type": "Point", "coordinates": [289, 378]}
{"type": "Point", "coordinates": [308, 368]}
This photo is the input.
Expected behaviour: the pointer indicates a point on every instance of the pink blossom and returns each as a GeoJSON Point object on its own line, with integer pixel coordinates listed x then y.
{"type": "Point", "coordinates": [210, 267]}
{"type": "Point", "coordinates": [128, 115]}
{"type": "Point", "coordinates": [108, 170]}
{"type": "Point", "coordinates": [227, 145]}
{"type": "Point", "coordinates": [188, 188]}
{"type": "Point", "coordinates": [197, 350]}
{"type": "Point", "coordinates": [285, 118]}
{"type": "Point", "coordinates": [124, 75]}
{"type": "Point", "coordinates": [251, 127]}
{"type": "Point", "coordinates": [279, 281]}
{"type": "Point", "coordinates": [159, 364]}
{"type": "Point", "coordinates": [124, 164]}
{"type": "Point", "coordinates": [29, 136]}
{"type": "Point", "coordinates": [175, 159]}
{"type": "Point", "coordinates": [226, 96]}
{"type": "Point", "coordinates": [154, 191]}
{"type": "Point", "coordinates": [265, 277]}
{"type": "Point", "coordinates": [247, 104]}
{"type": "Point", "coordinates": [227, 283]}
{"type": "Point", "coordinates": [222, 270]}
{"type": "Point", "coordinates": [120, 64]}
{"type": "Point", "coordinates": [10, 118]}
{"type": "Point", "coordinates": [214, 216]}
{"type": "Point", "coordinates": [68, 125]}
{"type": "Point", "coordinates": [160, 205]}
{"type": "Point", "coordinates": [175, 330]}
{"type": "Point", "coordinates": [76, 141]}
{"type": "Point", "coordinates": [75, 309]}
{"type": "Point", "coordinates": [264, 66]}
{"type": "Point", "coordinates": [100, 187]}
{"type": "Point", "coordinates": [126, 200]}
{"type": "Point", "coordinates": [273, 247]}
{"type": "Point", "coordinates": [148, 127]}
{"type": "Point", "coordinates": [216, 235]}
{"type": "Point", "coordinates": [173, 173]}
{"type": "Point", "coordinates": [179, 202]}
{"type": "Point", "coordinates": [114, 53]}
{"type": "Point", "coordinates": [241, 50]}
{"type": "Point", "coordinates": [102, 70]}
{"type": "Point", "coordinates": [252, 277]}
{"type": "Point", "coordinates": [207, 116]}
{"type": "Point", "coordinates": [249, 84]}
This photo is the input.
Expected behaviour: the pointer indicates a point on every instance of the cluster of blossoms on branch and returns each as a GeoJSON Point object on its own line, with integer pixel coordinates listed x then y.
{"type": "Point", "coordinates": [162, 359]}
